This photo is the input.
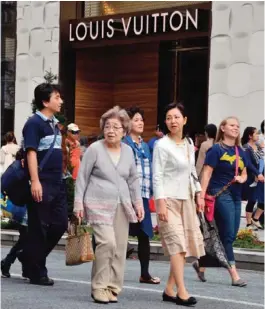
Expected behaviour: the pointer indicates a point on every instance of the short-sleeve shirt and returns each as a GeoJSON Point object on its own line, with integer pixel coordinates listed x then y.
{"type": "Point", "coordinates": [38, 135]}
{"type": "Point", "coordinates": [223, 161]}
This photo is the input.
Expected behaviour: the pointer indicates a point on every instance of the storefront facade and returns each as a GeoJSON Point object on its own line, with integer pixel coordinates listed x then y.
{"type": "Point", "coordinates": [110, 53]}
{"type": "Point", "coordinates": [8, 64]}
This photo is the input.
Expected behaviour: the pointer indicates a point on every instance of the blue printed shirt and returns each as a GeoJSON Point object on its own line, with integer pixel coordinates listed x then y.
{"type": "Point", "coordinates": [223, 161]}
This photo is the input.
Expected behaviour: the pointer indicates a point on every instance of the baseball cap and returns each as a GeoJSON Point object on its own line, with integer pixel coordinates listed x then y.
{"type": "Point", "coordinates": [73, 127]}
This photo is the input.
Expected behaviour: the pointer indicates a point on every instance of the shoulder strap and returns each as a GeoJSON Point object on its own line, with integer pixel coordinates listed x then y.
{"type": "Point", "coordinates": [188, 155]}
{"type": "Point", "coordinates": [236, 174]}
{"type": "Point", "coordinates": [48, 154]}
{"type": "Point", "coordinates": [237, 160]}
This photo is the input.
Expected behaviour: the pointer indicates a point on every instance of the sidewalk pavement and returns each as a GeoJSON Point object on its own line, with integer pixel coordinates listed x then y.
{"type": "Point", "coordinates": [247, 259]}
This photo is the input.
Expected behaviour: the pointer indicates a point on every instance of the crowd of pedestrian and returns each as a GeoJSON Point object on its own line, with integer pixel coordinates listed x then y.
{"type": "Point", "coordinates": [115, 176]}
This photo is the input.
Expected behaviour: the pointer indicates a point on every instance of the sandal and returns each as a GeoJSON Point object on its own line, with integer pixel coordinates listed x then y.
{"type": "Point", "coordinates": [239, 283]}
{"type": "Point", "coordinates": [200, 274]}
{"type": "Point", "coordinates": [151, 280]}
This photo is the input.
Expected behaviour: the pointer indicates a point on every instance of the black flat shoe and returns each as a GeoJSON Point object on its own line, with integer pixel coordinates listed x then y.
{"type": "Point", "coordinates": [5, 268]}
{"type": "Point", "coordinates": [167, 298]}
{"type": "Point", "coordinates": [46, 281]}
{"type": "Point", "coordinates": [191, 301]}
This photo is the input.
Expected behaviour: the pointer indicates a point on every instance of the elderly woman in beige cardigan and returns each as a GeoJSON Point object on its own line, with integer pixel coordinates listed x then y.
{"type": "Point", "coordinates": [108, 195]}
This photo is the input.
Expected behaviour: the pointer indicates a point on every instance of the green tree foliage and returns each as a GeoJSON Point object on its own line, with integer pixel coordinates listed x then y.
{"type": "Point", "coordinates": [49, 78]}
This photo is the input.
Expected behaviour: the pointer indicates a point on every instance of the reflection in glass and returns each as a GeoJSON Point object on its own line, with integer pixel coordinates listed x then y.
{"type": "Point", "coordinates": [8, 64]}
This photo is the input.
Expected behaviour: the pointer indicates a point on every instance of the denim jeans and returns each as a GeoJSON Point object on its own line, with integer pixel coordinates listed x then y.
{"type": "Point", "coordinates": [227, 217]}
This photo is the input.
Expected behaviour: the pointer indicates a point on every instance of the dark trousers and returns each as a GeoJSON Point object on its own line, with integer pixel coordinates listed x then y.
{"type": "Point", "coordinates": [47, 222]}
{"type": "Point", "coordinates": [19, 245]}
{"type": "Point", "coordinates": [143, 231]}
{"type": "Point", "coordinates": [144, 254]}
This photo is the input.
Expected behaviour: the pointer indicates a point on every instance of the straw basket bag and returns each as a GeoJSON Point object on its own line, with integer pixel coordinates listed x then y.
{"type": "Point", "coordinates": [78, 248]}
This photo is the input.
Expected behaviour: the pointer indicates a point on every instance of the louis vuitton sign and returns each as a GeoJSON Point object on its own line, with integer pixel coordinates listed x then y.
{"type": "Point", "coordinates": [134, 26]}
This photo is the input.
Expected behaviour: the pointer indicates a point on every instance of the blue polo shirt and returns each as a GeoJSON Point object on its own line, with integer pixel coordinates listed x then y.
{"type": "Point", "coordinates": [38, 135]}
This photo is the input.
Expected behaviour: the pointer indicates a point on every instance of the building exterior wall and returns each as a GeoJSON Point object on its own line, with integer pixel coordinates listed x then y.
{"type": "Point", "coordinates": [37, 52]}
{"type": "Point", "coordinates": [236, 84]}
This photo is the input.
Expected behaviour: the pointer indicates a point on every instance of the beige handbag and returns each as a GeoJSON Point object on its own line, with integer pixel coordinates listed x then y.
{"type": "Point", "coordinates": [78, 247]}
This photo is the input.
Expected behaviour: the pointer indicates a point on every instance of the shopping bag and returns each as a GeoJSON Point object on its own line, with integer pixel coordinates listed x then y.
{"type": "Point", "coordinates": [215, 252]}
{"type": "Point", "coordinates": [78, 248]}
{"type": "Point", "coordinates": [12, 211]}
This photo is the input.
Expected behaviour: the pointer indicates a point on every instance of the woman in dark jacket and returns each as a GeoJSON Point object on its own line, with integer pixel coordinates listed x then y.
{"type": "Point", "coordinates": [253, 187]}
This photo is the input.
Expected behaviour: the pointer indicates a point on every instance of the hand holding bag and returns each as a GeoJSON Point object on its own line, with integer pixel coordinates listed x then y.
{"type": "Point", "coordinates": [78, 249]}
{"type": "Point", "coordinates": [210, 199]}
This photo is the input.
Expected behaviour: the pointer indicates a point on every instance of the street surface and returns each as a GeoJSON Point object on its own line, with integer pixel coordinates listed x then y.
{"type": "Point", "coordinates": [72, 288]}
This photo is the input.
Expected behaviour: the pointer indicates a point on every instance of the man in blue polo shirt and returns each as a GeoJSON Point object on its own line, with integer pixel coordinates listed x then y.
{"type": "Point", "coordinates": [47, 211]}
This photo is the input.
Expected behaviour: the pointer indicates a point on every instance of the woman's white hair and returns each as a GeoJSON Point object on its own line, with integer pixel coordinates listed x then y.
{"type": "Point", "coordinates": [117, 113]}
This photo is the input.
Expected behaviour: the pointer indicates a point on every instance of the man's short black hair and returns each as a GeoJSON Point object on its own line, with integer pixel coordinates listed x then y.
{"type": "Point", "coordinates": [43, 92]}
{"type": "Point", "coordinates": [133, 111]}
{"type": "Point", "coordinates": [262, 127]}
{"type": "Point", "coordinates": [211, 130]}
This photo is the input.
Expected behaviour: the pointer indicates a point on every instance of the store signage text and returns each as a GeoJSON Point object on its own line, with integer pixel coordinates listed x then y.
{"type": "Point", "coordinates": [136, 25]}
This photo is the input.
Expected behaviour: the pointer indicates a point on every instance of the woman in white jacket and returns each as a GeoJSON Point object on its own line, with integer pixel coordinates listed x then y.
{"type": "Point", "coordinates": [177, 192]}
{"type": "Point", "coordinates": [9, 151]}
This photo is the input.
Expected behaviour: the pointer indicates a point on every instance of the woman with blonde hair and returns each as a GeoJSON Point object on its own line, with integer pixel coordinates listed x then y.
{"type": "Point", "coordinates": [177, 193]}
{"type": "Point", "coordinates": [108, 195]}
{"type": "Point", "coordinates": [225, 171]}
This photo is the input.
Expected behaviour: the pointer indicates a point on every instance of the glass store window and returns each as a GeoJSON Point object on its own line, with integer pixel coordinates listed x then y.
{"type": "Point", "coordinates": [8, 65]}
{"type": "Point", "coordinates": [101, 8]}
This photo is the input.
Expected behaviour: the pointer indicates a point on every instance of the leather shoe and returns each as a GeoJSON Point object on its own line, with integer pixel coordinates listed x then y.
{"type": "Point", "coordinates": [100, 296]}
{"type": "Point", "coordinates": [191, 301]}
{"type": "Point", "coordinates": [112, 298]}
{"type": "Point", "coordinates": [167, 298]}
{"type": "Point", "coordinates": [42, 281]}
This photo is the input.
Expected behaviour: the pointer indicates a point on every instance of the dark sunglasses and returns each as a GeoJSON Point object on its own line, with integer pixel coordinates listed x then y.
{"type": "Point", "coordinates": [75, 132]}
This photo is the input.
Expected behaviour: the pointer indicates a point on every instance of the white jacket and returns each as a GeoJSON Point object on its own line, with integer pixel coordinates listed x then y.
{"type": "Point", "coordinates": [174, 170]}
{"type": "Point", "coordinates": [7, 156]}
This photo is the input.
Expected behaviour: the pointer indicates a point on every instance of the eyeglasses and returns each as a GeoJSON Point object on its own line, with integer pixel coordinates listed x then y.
{"type": "Point", "coordinates": [75, 132]}
{"type": "Point", "coordinates": [115, 128]}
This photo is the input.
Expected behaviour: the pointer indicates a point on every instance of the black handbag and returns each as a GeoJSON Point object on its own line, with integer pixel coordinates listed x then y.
{"type": "Point", "coordinates": [214, 249]}
{"type": "Point", "coordinates": [15, 180]}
